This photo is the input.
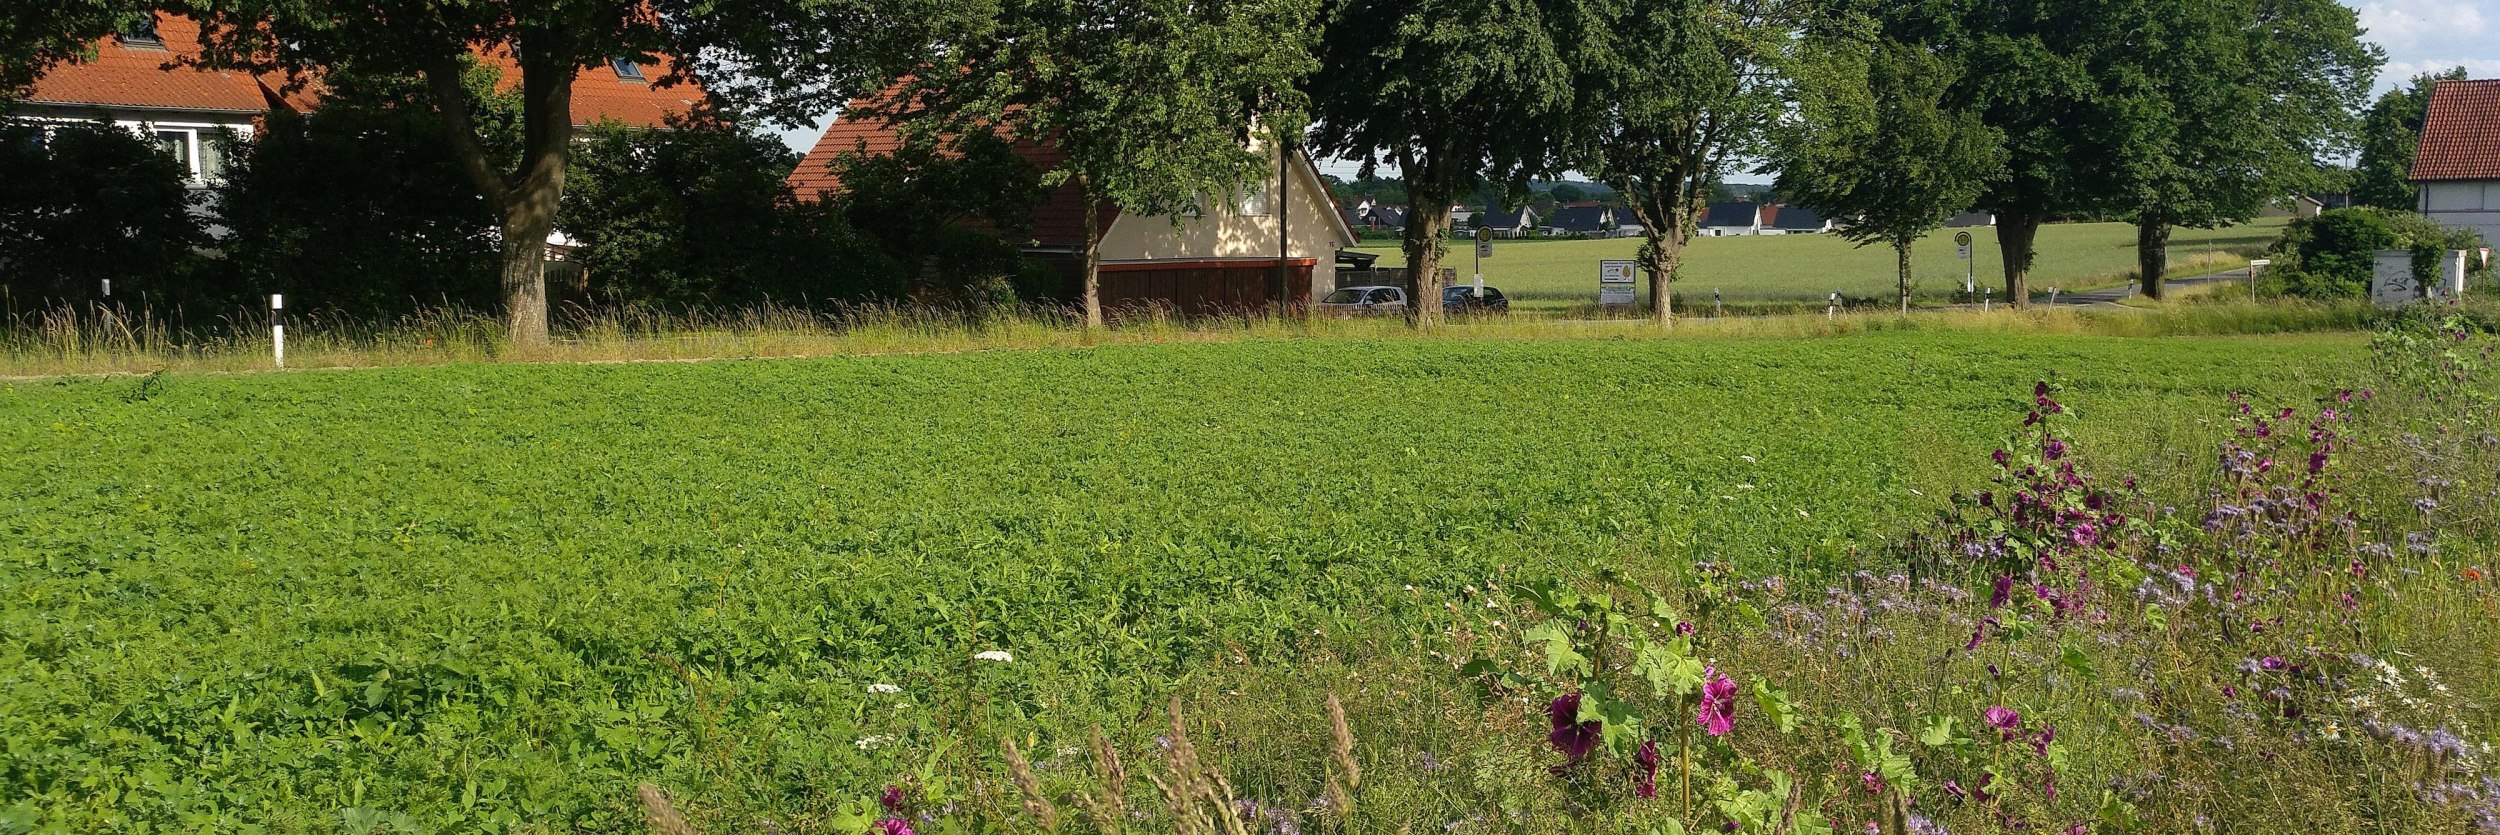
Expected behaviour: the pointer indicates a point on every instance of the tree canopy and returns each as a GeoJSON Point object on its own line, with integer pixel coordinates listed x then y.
{"type": "Point", "coordinates": [1455, 94]}
{"type": "Point", "coordinates": [2390, 134]}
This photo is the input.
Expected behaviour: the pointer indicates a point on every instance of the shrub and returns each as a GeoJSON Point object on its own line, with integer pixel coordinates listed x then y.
{"type": "Point", "coordinates": [89, 202]}
{"type": "Point", "coordinates": [359, 209]}
{"type": "Point", "coordinates": [2335, 255]}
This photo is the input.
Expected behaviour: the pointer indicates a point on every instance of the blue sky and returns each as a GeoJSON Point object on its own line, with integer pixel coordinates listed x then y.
{"type": "Point", "coordinates": [2419, 35]}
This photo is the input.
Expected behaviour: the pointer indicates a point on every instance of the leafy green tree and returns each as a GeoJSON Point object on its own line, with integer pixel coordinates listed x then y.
{"type": "Point", "coordinates": [1456, 94]}
{"type": "Point", "coordinates": [787, 60]}
{"type": "Point", "coordinates": [700, 214]}
{"type": "Point", "coordinates": [1152, 103]}
{"type": "Point", "coordinates": [90, 203]}
{"type": "Point", "coordinates": [1680, 93]}
{"type": "Point", "coordinates": [946, 213]}
{"type": "Point", "coordinates": [1567, 193]}
{"type": "Point", "coordinates": [1875, 147]}
{"type": "Point", "coordinates": [2390, 133]}
{"type": "Point", "coordinates": [2217, 108]}
{"type": "Point", "coordinates": [358, 208]}
{"type": "Point", "coordinates": [2027, 71]}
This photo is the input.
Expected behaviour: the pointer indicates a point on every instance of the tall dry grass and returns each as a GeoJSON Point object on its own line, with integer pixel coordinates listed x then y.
{"type": "Point", "coordinates": [115, 340]}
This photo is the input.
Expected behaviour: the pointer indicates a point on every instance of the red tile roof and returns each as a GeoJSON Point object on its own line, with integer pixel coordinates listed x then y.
{"type": "Point", "coordinates": [127, 76]}
{"type": "Point", "coordinates": [2461, 135]}
{"type": "Point", "coordinates": [599, 93]}
{"type": "Point", "coordinates": [1058, 222]}
{"type": "Point", "coordinates": [124, 75]}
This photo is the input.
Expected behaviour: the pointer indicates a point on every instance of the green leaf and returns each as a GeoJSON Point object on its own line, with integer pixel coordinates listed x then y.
{"type": "Point", "coordinates": [1669, 671]}
{"type": "Point", "coordinates": [2075, 661]}
{"type": "Point", "coordinates": [1775, 706]}
{"type": "Point", "coordinates": [1560, 653]}
{"type": "Point", "coordinates": [1937, 732]}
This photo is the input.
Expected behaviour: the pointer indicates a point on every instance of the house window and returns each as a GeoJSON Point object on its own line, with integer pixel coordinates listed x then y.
{"type": "Point", "coordinates": [200, 151]}
{"type": "Point", "coordinates": [1255, 202]}
{"type": "Point", "coordinates": [626, 68]}
{"type": "Point", "coordinates": [142, 33]}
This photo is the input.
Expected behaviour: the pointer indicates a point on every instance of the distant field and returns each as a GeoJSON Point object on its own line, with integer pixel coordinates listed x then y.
{"type": "Point", "coordinates": [1552, 274]}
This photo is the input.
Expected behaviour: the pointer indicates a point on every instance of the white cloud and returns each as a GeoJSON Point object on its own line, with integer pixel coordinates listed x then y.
{"type": "Point", "coordinates": [2431, 35]}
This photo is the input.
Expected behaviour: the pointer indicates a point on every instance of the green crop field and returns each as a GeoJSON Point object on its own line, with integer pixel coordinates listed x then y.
{"type": "Point", "coordinates": [1557, 273]}
{"type": "Point", "coordinates": [491, 598]}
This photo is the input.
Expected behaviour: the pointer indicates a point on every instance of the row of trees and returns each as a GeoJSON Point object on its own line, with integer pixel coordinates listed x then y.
{"type": "Point", "coordinates": [359, 210]}
{"type": "Point", "coordinates": [2169, 112]}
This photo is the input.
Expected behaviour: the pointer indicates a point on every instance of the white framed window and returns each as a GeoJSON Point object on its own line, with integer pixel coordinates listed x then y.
{"type": "Point", "coordinates": [141, 34]}
{"type": "Point", "coordinates": [1255, 201]}
{"type": "Point", "coordinates": [199, 148]}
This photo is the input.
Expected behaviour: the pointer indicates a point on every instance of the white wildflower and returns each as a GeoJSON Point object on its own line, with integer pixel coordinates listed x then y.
{"type": "Point", "coordinates": [1746, 458]}
{"type": "Point", "coordinates": [875, 741]}
{"type": "Point", "coordinates": [884, 689]}
{"type": "Point", "coordinates": [1744, 487]}
{"type": "Point", "coordinates": [998, 655]}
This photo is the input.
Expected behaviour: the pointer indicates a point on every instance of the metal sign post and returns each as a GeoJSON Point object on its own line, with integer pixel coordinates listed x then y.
{"type": "Point", "coordinates": [277, 328]}
{"type": "Point", "coordinates": [1970, 273]}
{"type": "Point", "coordinates": [2253, 267]}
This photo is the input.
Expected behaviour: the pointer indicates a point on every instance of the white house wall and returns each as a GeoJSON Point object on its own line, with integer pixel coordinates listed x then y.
{"type": "Point", "coordinates": [1225, 233]}
{"type": "Point", "coordinates": [2467, 204]}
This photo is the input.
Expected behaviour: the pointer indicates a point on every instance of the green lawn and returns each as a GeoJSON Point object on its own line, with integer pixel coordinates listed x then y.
{"type": "Point", "coordinates": [488, 598]}
{"type": "Point", "coordinates": [1554, 274]}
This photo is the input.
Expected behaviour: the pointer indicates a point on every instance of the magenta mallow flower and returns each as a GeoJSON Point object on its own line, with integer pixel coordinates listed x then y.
{"type": "Point", "coordinates": [892, 799]}
{"type": "Point", "coordinates": [1572, 737]}
{"type": "Point", "coordinates": [1647, 758]}
{"type": "Point", "coordinates": [1718, 703]}
{"type": "Point", "coordinates": [2005, 719]}
{"type": "Point", "coordinates": [1684, 627]}
{"type": "Point", "coordinates": [893, 826]}
{"type": "Point", "coordinates": [2004, 589]}
{"type": "Point", "coordinates": [2271, 663]}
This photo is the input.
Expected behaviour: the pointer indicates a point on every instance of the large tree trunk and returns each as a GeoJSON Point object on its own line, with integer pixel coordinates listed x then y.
{"type": "Point", "coordinates": [1665, 255]}
{"type": "Point", "coordinates": [2017, 229]}
{"type": "Point", "coordinates": [525, 200]}
{"type": "Point", "coordinates": [2152, 254]}
{"type": "Point", "coordinates": [1093, 256]}
{"type": "Point", "coordinates": [1425, 224]}
{"type": "Point", "coordinates": [1901, 248]}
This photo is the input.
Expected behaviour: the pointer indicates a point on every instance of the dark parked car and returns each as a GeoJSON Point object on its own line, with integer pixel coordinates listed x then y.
{"type": "Point", "coordinates": [1460, 299]}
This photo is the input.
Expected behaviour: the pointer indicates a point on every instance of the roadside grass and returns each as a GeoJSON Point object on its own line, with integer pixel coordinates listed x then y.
{"type": "Point", "coordinates": [114, 341]}
{"type": "Point", "coordinates": [1553, 274]}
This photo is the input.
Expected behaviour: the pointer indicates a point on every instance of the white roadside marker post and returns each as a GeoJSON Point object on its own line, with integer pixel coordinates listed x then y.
{"type": "Point", "coordinates": [1834, 310]}
{"type": "Point", "coordinates": [277, 328]}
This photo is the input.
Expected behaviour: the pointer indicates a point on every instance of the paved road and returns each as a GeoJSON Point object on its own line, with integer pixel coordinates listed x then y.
{"type": "Point", "coordinates": [2112, 295]}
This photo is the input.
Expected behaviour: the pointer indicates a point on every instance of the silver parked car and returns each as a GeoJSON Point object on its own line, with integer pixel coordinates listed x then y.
{"type": "Point", "coordinates": [1364, 301]}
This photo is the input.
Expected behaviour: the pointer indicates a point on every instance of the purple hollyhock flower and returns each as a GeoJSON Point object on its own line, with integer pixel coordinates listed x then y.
{"type": "Point", "coordinates": [2040, 741]}
{"type": "Point", "coordinates": [2054, 449]}
{"type": "Point", "coordinates": [1873, 782]}
{"type": "Point", "coordinates": [1572, 737]}
{"type": "Point", "coordinates": [2271, 663]}
{"type": "Point", "coordinates": [2000, 457]}
{"type": "Point", "coordinates": [2005, 719]}
{"type": "Point", "coordinates": [893, 826]}
{"type": "Point", "coordinates": [892, 799]}
{"type": "Point", "coordinates": [1684, 627]}
{"type": "Point", "coordinates": [2003, 590]}
{"type": "Point", "coordinates": [2317, 462]}
{"type": "Point", "coordinates": [1987, 498]}
{"type": "Point", "coordinates": [1648, 760]}
{"type": "Point", "coordinates": [1718, 703]}
{"type": "Point", "coordinates": [2085, 534]}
